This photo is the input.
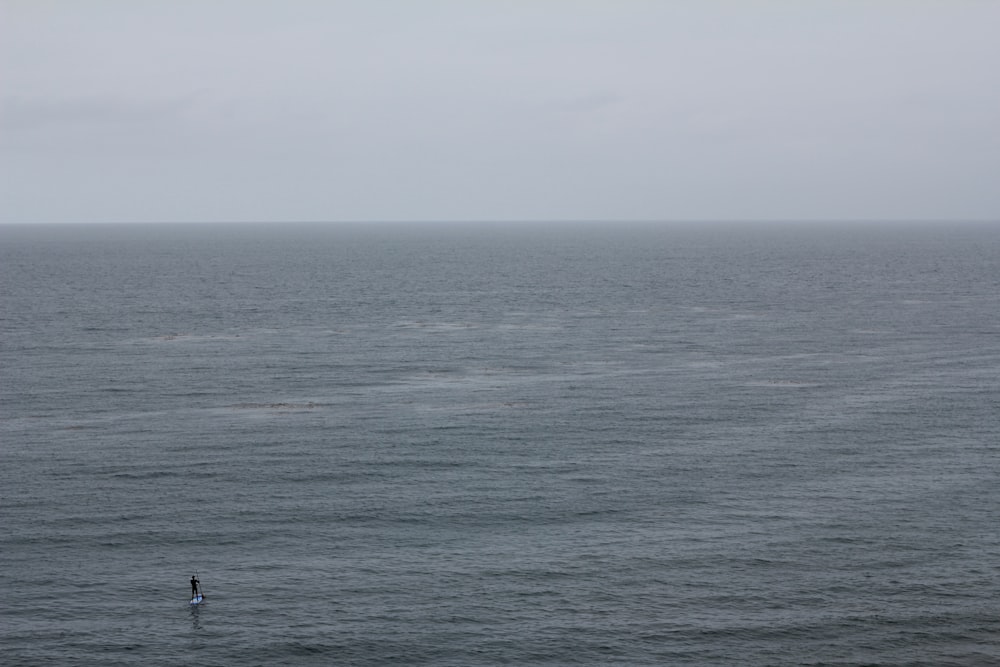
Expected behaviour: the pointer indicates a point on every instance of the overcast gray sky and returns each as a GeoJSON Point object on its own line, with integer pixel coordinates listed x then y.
{"type": "Point", "coordinates": [271, 110]}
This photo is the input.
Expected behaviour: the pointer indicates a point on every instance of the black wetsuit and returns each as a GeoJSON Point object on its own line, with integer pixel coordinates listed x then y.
{"type": "Point", "coordinates": [194, 587]}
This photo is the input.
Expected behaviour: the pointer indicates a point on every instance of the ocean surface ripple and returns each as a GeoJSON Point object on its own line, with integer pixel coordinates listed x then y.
{"type": "Point", "coordinates": [527, 445]}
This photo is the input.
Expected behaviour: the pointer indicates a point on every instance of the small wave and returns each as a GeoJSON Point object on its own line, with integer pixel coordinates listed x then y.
{"type": "Point", "coordinates": [185, 337]}
{"type": "Point", "coordinates": [153, 474]}
{"type": "Point", "coordinates": [309, 405]}
{"type": "Point", "coordinates": [434, 326]}
{"type": "Point", "coordinates": [782, 383]}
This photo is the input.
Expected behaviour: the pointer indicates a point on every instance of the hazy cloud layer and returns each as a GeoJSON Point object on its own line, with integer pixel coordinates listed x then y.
{"type": "Point", "coordinates": [469, 110]}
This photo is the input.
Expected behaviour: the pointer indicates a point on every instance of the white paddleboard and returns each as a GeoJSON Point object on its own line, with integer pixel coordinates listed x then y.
{"type": "Point", "coordinates": [197, 599]}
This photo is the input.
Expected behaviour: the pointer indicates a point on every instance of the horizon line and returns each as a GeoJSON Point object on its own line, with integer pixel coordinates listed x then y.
{"type": "Point", "coordinates": [519, 221]}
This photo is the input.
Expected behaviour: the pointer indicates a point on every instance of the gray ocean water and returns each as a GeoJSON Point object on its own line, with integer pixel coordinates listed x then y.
{"type": "Point", "coordinates": [525, 445]}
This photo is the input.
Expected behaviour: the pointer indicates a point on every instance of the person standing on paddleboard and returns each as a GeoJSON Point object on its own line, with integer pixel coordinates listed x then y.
{"type": "Point", "coordinates": [194, 586]}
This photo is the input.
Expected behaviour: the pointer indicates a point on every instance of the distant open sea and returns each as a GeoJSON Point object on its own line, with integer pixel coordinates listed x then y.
{"type": "Point", "coordinates": [572, 444]}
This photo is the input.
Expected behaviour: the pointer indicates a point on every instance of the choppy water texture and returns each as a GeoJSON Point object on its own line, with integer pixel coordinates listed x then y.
{"type": "Point", "coordinates": [676, 445]}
